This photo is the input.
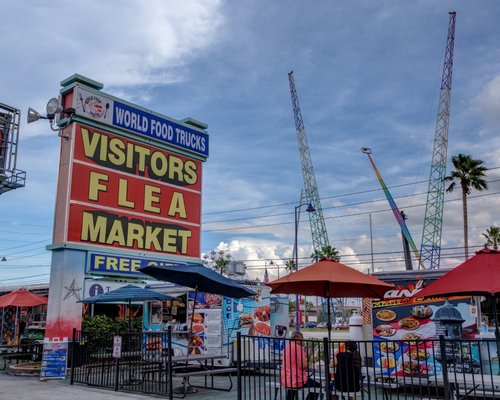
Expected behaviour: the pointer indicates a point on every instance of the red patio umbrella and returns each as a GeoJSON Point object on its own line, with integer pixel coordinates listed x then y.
{"type": "Point", "coordinates": [478, 276]}
{"type": "Point", "coordinates": [329, 278]}
{"type": "Point", "coordinates": [20, 298]}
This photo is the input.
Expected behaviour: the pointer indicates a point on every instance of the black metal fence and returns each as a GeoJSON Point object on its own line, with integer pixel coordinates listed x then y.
{"type": "Point", "coordinates": [276, 369]}
{"type": "Point", "coordinates": [141, 365]}
{"type": "Point", "coordinates": [406, 369]}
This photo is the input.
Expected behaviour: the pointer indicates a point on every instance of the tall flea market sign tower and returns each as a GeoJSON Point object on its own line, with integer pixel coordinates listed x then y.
{"type": "Point", "coordinates": [128, 195]}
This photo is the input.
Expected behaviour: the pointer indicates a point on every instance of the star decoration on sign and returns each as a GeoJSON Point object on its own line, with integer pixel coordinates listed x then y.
{"type": "Point", "coordinates": [72, 291]}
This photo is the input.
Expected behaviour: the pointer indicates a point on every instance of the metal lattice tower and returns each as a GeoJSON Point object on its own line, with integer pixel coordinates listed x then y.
{"type": "Point", "coordinates": [10, 177]}
{"type": "Point", "coordinates": [430, 250]}
{"type": "Point", "coordinates": [318, 227]}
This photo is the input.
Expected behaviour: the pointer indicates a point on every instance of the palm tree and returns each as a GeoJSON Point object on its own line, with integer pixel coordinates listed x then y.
{"type": "Point", "coordinates": [492, 236]}
{"type": "Point", "coordinates": [290, 265]}
{"type": "Point", "coordinates": [326, 251]}
{"type": "Point", "coordinates": [470, 173]}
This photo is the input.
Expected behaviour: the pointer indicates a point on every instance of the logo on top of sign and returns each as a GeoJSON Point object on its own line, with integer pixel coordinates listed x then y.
{"type": "Point", "coordinates": [94, 106]}
{"type": "Point", "coordinates": [404, 292]}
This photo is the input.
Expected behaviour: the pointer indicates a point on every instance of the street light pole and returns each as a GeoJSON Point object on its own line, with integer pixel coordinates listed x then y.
{"type": "Point", "coordinates": [310, 208]}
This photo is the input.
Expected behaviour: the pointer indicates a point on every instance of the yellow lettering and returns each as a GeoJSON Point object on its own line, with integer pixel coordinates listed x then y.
{"type": "Point", "coordinates": [175, 168]}
{"type": "Point", "coordinates": [130, 155]}
{"type": "Point", "coordinates": [117, 153]}
{"type": "Point", "coordinates": [89, 147]}
{"type": "Point", "coordinates": [190, 175]}
{"type": "Point", "coordinates": [135, 265]}
{"type": "Point", "coordinates": [151, 239]}
{"type": "Point", "coordinates": [93, 231]}
{"type": "Point", "coordinates": [150, 198]}
{"type": "Point", "coordinates": [184, 235]}
{"type": "Point", "coordinates": [159, 158]}
{"type": "Point", "coordinates": [95, 185]}
{"type": "Point", "coordinates": [169, 240]}
{"type": "Point", "coordinates": [177, 205]}
{"type": "Point", "coordinates": [124, 265]}
{"type": "Point", "coordinates": [115, 234]}
{"type": "Point", "coordinates": [112, 264]}
{"type": "Point", "coordinates": [135, 233]}
{"type": "Point", "coordinates": [99, 260]}
{"type": "Point", "coordinates": [143, 153]}
{"type": "Point", "coordinates": [122, 194]}
{"type": "Point", "coordinates": [103, 156]}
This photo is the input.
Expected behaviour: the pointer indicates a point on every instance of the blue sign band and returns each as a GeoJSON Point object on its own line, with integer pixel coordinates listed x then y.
{"type": "Point", "coordinates": [111, 264]}
{"type": "Point", "coordinates": [162, 129]}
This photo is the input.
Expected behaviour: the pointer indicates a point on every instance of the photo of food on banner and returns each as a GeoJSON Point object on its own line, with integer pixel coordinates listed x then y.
{"type": "Point", "coordinates": [206, 327]}
{"type": "Point", "coordinates": [402, 323]}
{"type": "Point", "coordinates": [250, 315]}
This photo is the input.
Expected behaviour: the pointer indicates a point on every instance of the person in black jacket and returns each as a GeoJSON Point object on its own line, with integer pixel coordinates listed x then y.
{"type": "Point", "coordinates": [347, 377]}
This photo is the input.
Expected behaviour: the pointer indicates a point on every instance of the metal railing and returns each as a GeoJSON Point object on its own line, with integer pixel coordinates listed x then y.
{"type": "Point", "coordinates": [401, 369]}
{"type": "Point", "coordinates": [141, 365]}
{"type": "Point", "coordinates": [268, 368]}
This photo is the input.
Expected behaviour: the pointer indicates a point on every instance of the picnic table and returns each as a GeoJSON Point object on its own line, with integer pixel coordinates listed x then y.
{"type": "Point", "coordinates": [138, 367]}
{"type": "Point", "coordinates": [17, 352]}
{"type": "Point", "coordinates": [205, 365]}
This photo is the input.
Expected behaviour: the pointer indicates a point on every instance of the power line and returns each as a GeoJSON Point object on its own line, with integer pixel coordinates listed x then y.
{"type": "Point", "coordinates": [340, 216]}
{"type": "Point", "coordinates": [330, 197]}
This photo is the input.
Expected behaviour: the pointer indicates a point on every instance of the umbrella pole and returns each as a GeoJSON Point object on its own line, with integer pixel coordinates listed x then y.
{"type": "Point", "coordinates": [1, 325]}
{"type": "Point", "coordinates": [129, 316]}
{"type": "Point", "coordinates": [16, 327]}
{"type": "Point", "coordinates": [329, 323]}
{"type": "Point", "coordinates": [497, 332]}
{"type": "Point", "coordinates": [186, 387]}
{"type": "Point", "coordinates": [192, 319]}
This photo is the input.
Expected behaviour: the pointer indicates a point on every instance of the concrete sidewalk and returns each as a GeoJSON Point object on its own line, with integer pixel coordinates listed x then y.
{"type": "Point", "coordinates": [31, 388]}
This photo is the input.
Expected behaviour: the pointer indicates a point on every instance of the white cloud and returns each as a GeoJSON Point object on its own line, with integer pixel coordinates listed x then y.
{"type": "Point", "coordinates": [487, 105]}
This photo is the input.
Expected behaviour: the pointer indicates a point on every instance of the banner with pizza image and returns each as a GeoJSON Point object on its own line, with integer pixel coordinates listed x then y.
{"type": "Point", "coordinates": [400, 326]}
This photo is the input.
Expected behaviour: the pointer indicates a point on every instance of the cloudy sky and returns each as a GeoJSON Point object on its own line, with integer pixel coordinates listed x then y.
{"type": "Point", "coordinates": [367, 74]}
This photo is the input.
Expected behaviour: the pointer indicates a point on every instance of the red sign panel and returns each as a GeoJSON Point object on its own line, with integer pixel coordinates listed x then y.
{"type": "Point", "coordinates": [128, 195]}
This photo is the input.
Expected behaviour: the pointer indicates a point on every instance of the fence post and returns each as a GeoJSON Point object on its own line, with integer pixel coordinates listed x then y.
{"type": "Point", "coordinates": [326, 354]}
{"type": "Point", "coordinates": [238, 364]}
{"type": "Point", "coordinates": [117, 375]}
{"type": "Point", "coordinates": [446, 382]}
{"type": "Point", "coordinates": [169, 364]}
{"type": "Point", "coordinates": [73, 355]}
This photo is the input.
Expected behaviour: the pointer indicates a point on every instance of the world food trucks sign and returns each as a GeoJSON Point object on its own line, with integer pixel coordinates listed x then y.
{"type": "Point", "coordinates": [112, 112]}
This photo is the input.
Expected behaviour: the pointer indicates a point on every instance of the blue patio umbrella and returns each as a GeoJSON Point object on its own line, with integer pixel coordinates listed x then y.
{"type": "Point", "coordinates": [200, 278]}
{"type": "Point", "coordinates": [128, 293]}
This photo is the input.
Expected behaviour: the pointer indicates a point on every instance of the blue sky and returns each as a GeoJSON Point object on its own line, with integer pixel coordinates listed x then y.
{"type": "Point", "coordinates": [367, 74]}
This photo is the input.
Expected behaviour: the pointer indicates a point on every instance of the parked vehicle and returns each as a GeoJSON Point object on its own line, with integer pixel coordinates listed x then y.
{"type": "Point", "coordinates": [321, 325]}
{"type": "Point", "coordinates": [33, 337]}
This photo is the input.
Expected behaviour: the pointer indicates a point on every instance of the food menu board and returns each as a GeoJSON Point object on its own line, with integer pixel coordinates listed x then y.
{"type": "Point", "coordinates": [206, 332]}
{"type": "Point", "coordinates": [400, 326]}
